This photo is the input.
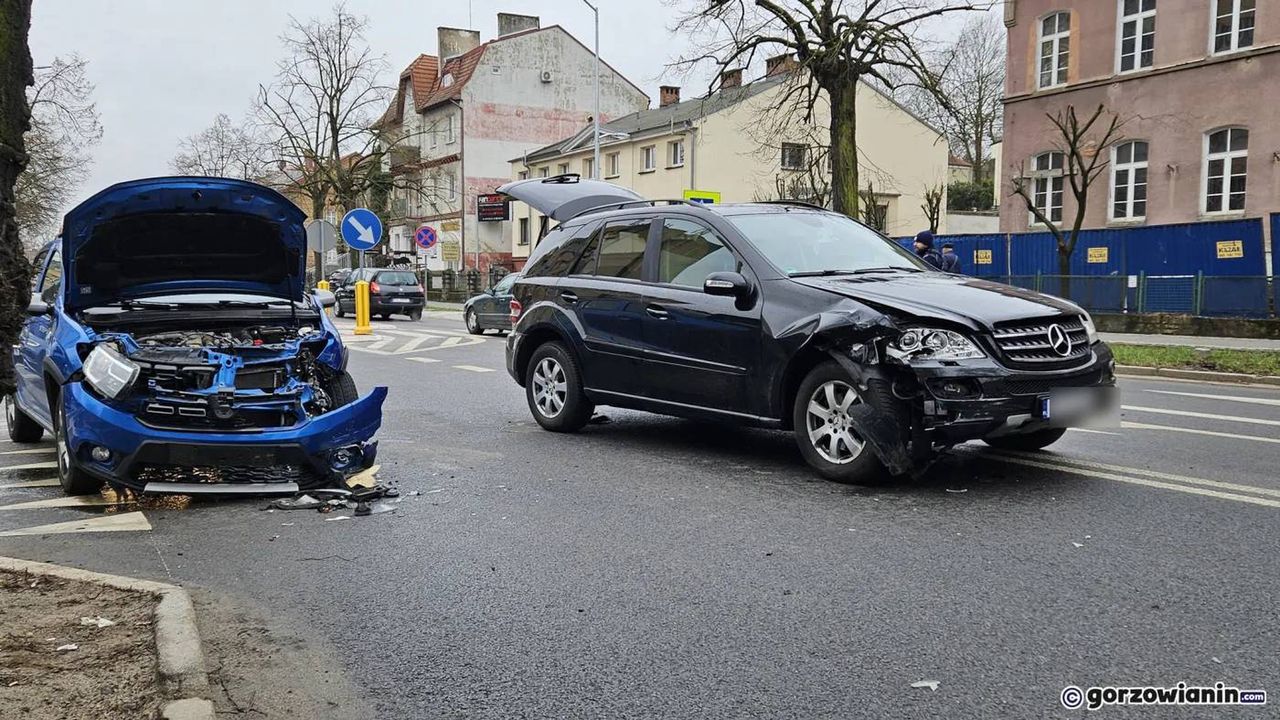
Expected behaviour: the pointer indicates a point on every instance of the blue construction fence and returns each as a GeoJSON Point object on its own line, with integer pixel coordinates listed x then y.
{"type": "Point", "coordinates": [1209, 268]}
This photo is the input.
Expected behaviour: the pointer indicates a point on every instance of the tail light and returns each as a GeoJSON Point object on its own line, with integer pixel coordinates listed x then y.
{"type": "Point", "coordinates": [373, 288]}
{"type": "Point", "coordinates": [516, 309]}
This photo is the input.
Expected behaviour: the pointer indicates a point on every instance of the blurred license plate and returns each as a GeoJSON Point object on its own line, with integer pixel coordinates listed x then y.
{"type": "Point", "coordinates": [1095, 407]}
{"type": "Point", "coordinates": [404, 300]}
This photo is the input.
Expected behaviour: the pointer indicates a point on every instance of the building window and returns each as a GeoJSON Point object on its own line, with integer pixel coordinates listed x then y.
{"type": "Point", "coordinates": [793, 156]}
{"type": "Point", "coordinates": [523, 175]}
{"type": "Point", "coordinates": [611, 165]}
{"type": "Point", "coordinates": [448, 130]}
{"type": "Point", "coordinates": [1137, 34]}
{"type": "Point", "coordinates": [523, 238]}
{"type": "Point", "coordinates": [675, 153]}
{"type": "Point", "coordinates": [451, 186]}
{"type": "Point", "coordinates": [1226, 164]}
{"type": "Point", "coordinates": [648, 158]}
{"type": "Point", "coordinates": [1055, 49]}
{"type": "Point", "coordinates": [588, 167]}
{"type": "Point", "coordinates": [1232, 25]}
{"type": "Point", "coordinates": [544, 171]}
{"type": "Point", "coordinates": [562, 169]}
{"type": "Point", "coordinates": [1129, 181]}
{"type": "Point", "coordinates": [1048, 185]}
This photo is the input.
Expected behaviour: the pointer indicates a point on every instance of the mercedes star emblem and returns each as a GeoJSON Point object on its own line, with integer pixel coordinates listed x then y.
{"type": "Point", "coordinates": [1059, 340]}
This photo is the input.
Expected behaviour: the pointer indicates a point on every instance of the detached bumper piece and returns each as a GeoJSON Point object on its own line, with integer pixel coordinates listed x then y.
{"type": "Point", "coordinates": [123, 450]}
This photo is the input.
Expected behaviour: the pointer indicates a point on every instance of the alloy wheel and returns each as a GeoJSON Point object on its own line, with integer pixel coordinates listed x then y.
{"type": "Point", "coordinates": [550, 388]}
{"type": "Point", "coordinates": [827, 420]}
{"type": "Point", "coordinates": [9, 416]}
{"type": "Point", "coordinates": [472, 325]}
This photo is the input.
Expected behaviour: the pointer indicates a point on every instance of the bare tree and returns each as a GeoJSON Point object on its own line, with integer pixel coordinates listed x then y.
{"type": "Point", "coordinates": [835, 49]}
{"type": "Point", "coordinates": [873, 213]}
{"type": "Point", "coordinates": [64, 127]}
{"type": "Point", "coordinates": [932, 205]}
{"type": "Point", "coordinates": [966, 102]}
{"type": "Point", "coordinates": [15, 272]}
{"type": "Point", "coordinates": [1084, 159]}
{"type": "Point", "coordinates": [224, 149]}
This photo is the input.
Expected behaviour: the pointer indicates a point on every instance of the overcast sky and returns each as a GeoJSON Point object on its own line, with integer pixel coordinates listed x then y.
{"type": "Point", "coordinates": [164, 68]}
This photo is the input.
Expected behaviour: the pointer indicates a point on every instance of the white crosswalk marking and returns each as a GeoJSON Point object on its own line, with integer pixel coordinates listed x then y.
{"type": "Point", "coordinates": [1232, 398]}
{"type": "Point", "coordinates": [73, 501]}
{"type": "Point", "coordinates": [29, 451]}
{"type": "Point", "coordinates": [124, 522]}
{"type": "Point", "coordinates": [31, 466]}
{"type": "Point", "coordinates": [47, 482]}
{"type": "Point", "coordinates": [474, 368]}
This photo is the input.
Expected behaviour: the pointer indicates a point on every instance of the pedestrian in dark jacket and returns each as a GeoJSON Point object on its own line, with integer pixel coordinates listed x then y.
{"type": "Point", "coordinates": [924, 249]}
{"type": "Point", "coordinates": [950, 261]}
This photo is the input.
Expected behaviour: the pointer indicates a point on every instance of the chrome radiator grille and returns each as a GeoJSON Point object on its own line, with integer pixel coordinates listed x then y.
{"type": "Point", "coordinates": [1058, 341]}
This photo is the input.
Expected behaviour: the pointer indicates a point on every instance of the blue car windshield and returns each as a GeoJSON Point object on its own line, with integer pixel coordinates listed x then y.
{"type": "Point", "coordinates": [812, 243]}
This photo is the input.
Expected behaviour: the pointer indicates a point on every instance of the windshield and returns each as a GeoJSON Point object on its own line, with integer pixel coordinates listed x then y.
{"type": "Point", "coordinates": [810, 243]}
{"type": "Point", "coordinates": [397, 278]}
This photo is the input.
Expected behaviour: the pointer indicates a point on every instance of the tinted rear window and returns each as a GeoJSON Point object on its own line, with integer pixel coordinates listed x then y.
{"type": "Point", "coordinates": [557, 251]}
{"type": "Point", "coordinates": [397, 278]}
{"type": "Point", "coordinates": [622, 249]}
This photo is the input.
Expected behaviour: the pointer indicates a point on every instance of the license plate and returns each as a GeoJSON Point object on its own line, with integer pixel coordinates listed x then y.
{"type": "Point", "coordinates": [1078, 406]}
{"type": "Point", "coordinates": [402, 300]}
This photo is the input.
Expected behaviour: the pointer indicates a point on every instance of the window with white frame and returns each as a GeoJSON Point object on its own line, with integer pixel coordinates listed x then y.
{"type": "Point", "coordinates": [448, 130]}
{"type": "Point", "coordinates": [1232, 25]}
{"type": "Point", "coordinates": [675, 153]}
{"type": "Point", "coordinates": [451, 186]}
{"type": "Point", "coordinates": [648, 158]}
{"type": "Point", "coordinates": [611, 164]}
{"type": "Point", "coordinates": [1129, 181]}
{"type": "Point", "coordinates": [1226, 170]}
{"type": "Point", "coordinates": [1055, 49]}
{"type": "Point", "coordinates": [524, 175]}
{"type": "Point", "coordinates": [523, 238]}
{"type": "Point", "coordinates": [1137, 34]}
{"type": "Point", "coordinates": [794, 155]}
{"type": "Point", "coordinates": [588, 167]}
{"type": "Point", "coordinates": [544, 171]}
{"type": "Point", "coordinates": [562, 169]}
{"type": "Point", "coordinates": [1047, 185]}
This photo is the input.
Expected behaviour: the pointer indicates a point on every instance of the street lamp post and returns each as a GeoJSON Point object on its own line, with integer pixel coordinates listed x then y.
{"type": "Point", "coordinates": [595, 162]}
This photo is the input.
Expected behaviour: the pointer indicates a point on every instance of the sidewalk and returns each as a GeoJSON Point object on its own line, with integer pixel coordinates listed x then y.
{"type": "Point", "coordinates": [1192, 341]}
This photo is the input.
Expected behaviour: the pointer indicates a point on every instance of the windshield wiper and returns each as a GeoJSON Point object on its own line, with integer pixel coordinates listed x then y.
{"type": "Point", "coordinates": [859, 271]}
{"type": "Point", "coordinates": [819, 273]}
{"type": "Point", "coordinates": [146, 305]}
{"type": "Point", "coordinates": [862, 271]}
{"type": "Point", "coordinates": [253, 303]}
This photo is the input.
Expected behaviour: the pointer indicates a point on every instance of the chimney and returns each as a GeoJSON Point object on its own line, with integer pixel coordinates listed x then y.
{"type": "Point", "coordinates": [668, 95]}
{"type": "Point", "coordinates": [452, 42]}
{"type": "Point", "coordinates": [779, 64]}
{"type": "Point", "coordinates": [731, 78]}
{"type": "Point", "coordinates": [511, 23]}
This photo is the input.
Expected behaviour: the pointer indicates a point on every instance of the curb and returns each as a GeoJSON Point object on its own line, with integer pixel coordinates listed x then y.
{"type": "Point", "coordinates": [1202, 375]}
{"type": "Point", "coordinates": [181, 660]}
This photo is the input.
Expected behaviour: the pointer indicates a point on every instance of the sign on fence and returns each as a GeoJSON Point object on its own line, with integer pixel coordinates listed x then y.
{"type": "Point", "coordinates": [981, 257]}
{"type": "Point", "coordinates": [1228, 249]}
{"type": "Point", "coordinates": [450, 251]}
{"type": "Point", "coordinates": [1098, 254]}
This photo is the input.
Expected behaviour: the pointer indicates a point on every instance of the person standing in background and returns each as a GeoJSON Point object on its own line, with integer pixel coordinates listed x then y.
{"type": "Point", "coordinates": [950, 261]}
{"type": "Point", "coordinates": [924, 249]}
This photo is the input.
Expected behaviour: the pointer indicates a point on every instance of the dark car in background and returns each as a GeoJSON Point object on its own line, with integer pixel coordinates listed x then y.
{"type": "Point", "coordinates": [338, 277]}
{"type": "Point", "coordinates": [491, 309]}
{"type": "Point", "coordinates": [391, 292]}
{"type": "Point", "coordinates": [788, 316]}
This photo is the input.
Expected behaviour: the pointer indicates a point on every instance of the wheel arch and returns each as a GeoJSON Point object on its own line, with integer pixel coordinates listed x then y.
{"type": "Point", "coordinates": [535, 337]}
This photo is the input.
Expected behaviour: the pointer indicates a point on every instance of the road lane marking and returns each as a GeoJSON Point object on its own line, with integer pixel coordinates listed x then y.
{"type": "Point", "coordinates": [32, 451]}
{"type": "Point", "coordinates": [422, 359]}
{"type": "Point", "coordinates": [1092, 431]}
{"type": "Point", "coordinates": [47, 482]}
{"type": "Point", "coordinates": [57, 502]}
{"type": "Point", "coordinates": [1206, 416]}
{"type": "Point", "coordinates": [1090, 465]}
{"type": "Point", "coordinates": [1209, 396]}
{"type": "Point", "coordinates": [1194, 431]}
{"type": "Point", "coordinates": [1190, 490]}
{"type": "Point", "coordinates": [474, 368]}
{"type": "Point", "coordinates": [30, 466]}
{"type": "Point", "coordinates": [124, 522]}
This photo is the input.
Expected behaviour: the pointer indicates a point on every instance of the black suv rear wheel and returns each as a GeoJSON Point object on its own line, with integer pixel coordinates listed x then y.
{"type": "Point", "coordinates": [553, 387]}
{"type": "Point", "coordinates": [827, 438]}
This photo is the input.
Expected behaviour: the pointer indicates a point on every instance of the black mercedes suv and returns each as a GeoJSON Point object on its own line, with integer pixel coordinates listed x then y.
{"type": "Point", "coordinates": [788, 316]}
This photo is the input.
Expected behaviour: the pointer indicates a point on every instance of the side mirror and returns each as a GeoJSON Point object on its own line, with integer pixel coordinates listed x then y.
{"type": "Point", "coordinates": [730, 284]}
{"type": "Point", "coordinates": [37, 307]}
{"type": "Point", "coordinates": [325, 298]}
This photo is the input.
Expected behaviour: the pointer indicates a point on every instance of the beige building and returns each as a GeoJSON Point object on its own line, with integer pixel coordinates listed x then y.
{"type": "Point", "coordinates": [730, 146]}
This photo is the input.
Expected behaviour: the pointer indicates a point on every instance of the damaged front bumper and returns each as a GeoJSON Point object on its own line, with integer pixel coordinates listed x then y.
{"type": "Point", "coordinates": [115, 446]}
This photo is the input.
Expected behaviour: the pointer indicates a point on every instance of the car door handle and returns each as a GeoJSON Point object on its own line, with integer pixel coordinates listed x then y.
{"type": "Point", "coordinates": [569, 297]}
{"type": "Point", "coordinates": [656, 311]}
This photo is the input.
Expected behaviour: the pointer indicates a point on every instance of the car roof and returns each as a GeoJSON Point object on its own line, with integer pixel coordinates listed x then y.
{"type": "Point", "coordinates": [697, 209]}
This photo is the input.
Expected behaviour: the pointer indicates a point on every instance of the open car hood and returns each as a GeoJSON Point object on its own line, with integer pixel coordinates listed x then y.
{"type": "Point", "coordinates": [182, 234]}
{"type": "Point", "coordinates": [563, 196]}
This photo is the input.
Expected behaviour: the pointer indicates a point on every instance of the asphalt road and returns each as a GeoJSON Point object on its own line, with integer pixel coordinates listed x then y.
{"type": "Point", "coordinates": [650, 567]}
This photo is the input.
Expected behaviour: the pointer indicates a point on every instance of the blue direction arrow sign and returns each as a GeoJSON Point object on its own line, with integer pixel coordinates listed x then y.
{"type": "Point", "coordinates": [361, 229]}
{"type": "Point", "coordinates": [426, 237]}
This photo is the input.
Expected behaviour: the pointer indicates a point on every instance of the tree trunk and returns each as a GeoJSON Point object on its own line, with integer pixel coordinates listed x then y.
{"type": "Point", "coordinates": [977, 153]}
{"type": "Point", "coordinates": [15, 271]}
{"type": "Point", "coordinates": [317, 213]}
{"type": "Point", "coordinates": [844, 149]}
{"type": "Point", "coordinates": [1064, 271]}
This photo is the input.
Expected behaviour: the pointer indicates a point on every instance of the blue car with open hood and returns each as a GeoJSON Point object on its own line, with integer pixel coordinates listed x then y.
{"type": "Point", "coordinates": [172, 346]}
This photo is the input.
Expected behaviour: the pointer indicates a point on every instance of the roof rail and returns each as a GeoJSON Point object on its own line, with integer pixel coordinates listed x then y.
{"type": "Point", "coordinates": [635, 203]}
{"type": "Point", "coordinates": [798, 203]}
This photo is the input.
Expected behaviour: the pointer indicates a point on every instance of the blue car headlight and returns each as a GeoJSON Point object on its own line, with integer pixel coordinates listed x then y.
{"type": "Point", "coordinates": [109, 372]}
{"type": "Point", "coordinates": [922, 343]}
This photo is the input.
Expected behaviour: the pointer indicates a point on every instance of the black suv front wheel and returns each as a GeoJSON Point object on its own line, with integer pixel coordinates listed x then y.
{"type": "Point", "coordinates": [828, 439]}
{"type": "Point", "coordinates": [553, 387]}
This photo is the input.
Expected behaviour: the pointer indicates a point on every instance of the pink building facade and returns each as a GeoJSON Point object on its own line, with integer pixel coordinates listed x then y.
{"type": "Point", "coordinates": [1193, 82]}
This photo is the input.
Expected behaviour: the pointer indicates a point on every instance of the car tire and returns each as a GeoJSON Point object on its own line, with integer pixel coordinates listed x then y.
{"type": "Point", "coordinates": [340, 388]}
{"type": "Point", "coordinates": [337, 310]}
{"type": "Point", "coordinates": [73, 480]}
{"type": "Point", "coordinates": [553, 388]}
{"type": "Point", "coordinates": [415, 315]}
{"type": "Point", "coordinates": [473, 323]}
{"type": "Point", "coordinates": [826, 439]}
{"type": "Point", "coordinates": [1027, 442]}
{"type": "Point", "coordinates": [22, 429]}
{"type": "Point", "coordinates": [385, 316]}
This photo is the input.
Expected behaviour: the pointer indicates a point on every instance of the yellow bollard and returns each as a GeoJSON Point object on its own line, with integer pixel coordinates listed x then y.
{"type": "Point", "coordinates": [362, 308]}
{"type": "Point", "coordinates": [322, 285]}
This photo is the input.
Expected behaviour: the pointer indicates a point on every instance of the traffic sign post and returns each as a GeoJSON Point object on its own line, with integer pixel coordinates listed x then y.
{"type": "Point", "coordinates": [362, 230]}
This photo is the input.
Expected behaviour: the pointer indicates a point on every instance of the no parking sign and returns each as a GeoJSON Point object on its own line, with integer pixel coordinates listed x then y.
{"type": "Point", "coordinates": [426, 237]}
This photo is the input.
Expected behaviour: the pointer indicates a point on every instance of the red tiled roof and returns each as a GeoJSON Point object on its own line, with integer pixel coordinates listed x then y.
{"type": "Point", "coordinates": [957, 161]}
